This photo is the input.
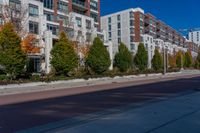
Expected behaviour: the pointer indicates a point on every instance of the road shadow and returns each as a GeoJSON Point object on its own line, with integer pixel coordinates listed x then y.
{"type": "Point", "coordinates": [67, 109]}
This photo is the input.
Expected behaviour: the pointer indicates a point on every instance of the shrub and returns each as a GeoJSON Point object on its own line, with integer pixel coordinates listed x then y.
{"type": "Point", "coordinates": [141, 58]}
{"type": "Point", "coordinates": [188, 59]}
{"type": "Point", "coordinates": [157, 60]}
{"type": "Point", "coordinates": [123, 59]}
{"type": "Point", "coordinates": [64, 58]}
{"type": "Point", "coordinates": [98, 58]}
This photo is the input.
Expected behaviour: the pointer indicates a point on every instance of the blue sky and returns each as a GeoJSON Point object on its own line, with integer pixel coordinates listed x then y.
{"type": "Point", "coordinates": [179, 14]}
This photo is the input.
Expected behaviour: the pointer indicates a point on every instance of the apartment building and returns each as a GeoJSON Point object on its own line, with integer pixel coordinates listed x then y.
{"type": "Point", "coordinates": [133, 26]}
{"type": "Point", "coordinates": [125, 26]}
{"type": "Point", "coordinates": [194, 36]}
{"type": "Point", "coordinates": [80, 19]}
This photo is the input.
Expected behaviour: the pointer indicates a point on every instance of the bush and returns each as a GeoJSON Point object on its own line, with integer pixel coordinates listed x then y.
{"type": "Point", "coordinates": [179, 59]}
{"type": "Point", "coordinates": [123, 59]}
{"type": "Point", "coordinates": [98, 58]}
{"type": "Point", "coordinates": [64, 58]}
{"type": "Point", "coordinates": [141, 58]}
{"type": "Point", "coordinates": [197, 61]}
{"type": "Point", "coordinates": [188, 59]}
{"type": "Point", "coordinates": [157, 61]}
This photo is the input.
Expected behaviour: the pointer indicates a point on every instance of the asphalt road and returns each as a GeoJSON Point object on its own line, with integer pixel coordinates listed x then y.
{"type": "Point", "coordinates": [68, 111]}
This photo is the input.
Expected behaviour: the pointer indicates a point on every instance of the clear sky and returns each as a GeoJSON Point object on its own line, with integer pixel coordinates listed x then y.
{"type": "Point", "coordinates": [179, 14]}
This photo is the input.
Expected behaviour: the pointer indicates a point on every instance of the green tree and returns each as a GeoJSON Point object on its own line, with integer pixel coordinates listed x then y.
{"type": "Point", "coordinates": [12, 58]}
{"type": "Point", "coordinates": [179, 59]}
{"type": "Point", "coordinates": [157, 60]}
{"type": "Point", "coordinates": [141, 58]}
{"type": "Point", "coordinates": [188, 59]}
{"type": "Point", "coordinates": [197, 61]}
{"type": "Point", "coordinates": [64, 58]}
{"type": "Point", "coordinates": [123, 59]}
{"type": "Point", "coordinates": [98, 57]}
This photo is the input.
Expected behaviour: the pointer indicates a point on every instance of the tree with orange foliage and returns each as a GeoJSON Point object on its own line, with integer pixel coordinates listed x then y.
{"type": "Point", "coordinates": [172, 61]}
{"type": "Point", "coordinates": [27, 44]}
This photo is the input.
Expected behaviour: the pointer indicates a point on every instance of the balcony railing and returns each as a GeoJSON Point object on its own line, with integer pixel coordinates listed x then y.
{"type": "Point", "coordinates": [79, 3]}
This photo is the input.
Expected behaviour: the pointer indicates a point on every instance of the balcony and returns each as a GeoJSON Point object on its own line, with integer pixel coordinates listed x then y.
{"type": "Point", "coordinates": [79, 5]}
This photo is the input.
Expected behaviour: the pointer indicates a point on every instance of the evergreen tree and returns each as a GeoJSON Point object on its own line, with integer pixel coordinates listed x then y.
{"type": "Point", "coordinates": [64, 58]}
{"type": "Point", "coordinates": [141, 58]}
{"type": "Point", "coordinates": [157, 60]}
{"type": "Point", "coordinates": [179, 59]}
{"type": "Point", "coordinates": [197, 61]}
{"type": "Point", "coordinates": [12, 58]}
{"type": "Point", "coordinates": [188, 59]}
{"type": "Point", "coordinates": [123, 59]}
{"type": "Point", "coordinates": [98, 57]}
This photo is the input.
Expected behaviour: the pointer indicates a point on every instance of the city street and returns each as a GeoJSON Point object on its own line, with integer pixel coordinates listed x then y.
{"type": "Point", "coordinates": [142, 108]}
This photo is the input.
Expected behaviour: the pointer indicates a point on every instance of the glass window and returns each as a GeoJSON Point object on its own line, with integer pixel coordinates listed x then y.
{"type": "Point", "coordinates": [54, 29]}
{"type": "Point", "coordinates": [88, 24]}
{"type": "Point", "coordinates": [93, 5]}
{"type": "Point", "coordinates": [118, 17]}
{"type": "Point", "coordinates": [131, 22]}
{"type": "Point", "coordinates": [109, 27]}
{"type": "Point", "coordinates": [119, 32]}
{"type": "Point", "coordinates": [131, 14]}
{"type": "Point", "coordinates": [62, 6]}
{"type": "Point", "coordinates": [64, 19]}
{"type": "Point", "coordinates": [33, 10]}
{"type": "Point", "coordinates": [33, 27]}
{"type": "Point", "coordinates": [132, 46]}
{"type": "Point", "coordinates": [109, 34]}
{"type": "Point", "coordinates": [118, 25]}
{"type": "Point", "coordinates": [48, 4]}
{"type": "Point", "coordinates": [50, 16]}
{"type": "Point", "coordinates": [1, 21]}
{"type": "Point", "coordinates": [132, 30]}
{"type": "Point", "coordinates": [119, 40]}
{"type": "Point", "coordinates": [131, 38]}
{"type": "Point", "coordinates": [78, 22]}
{"type": "Point", "coordinates": [94, 16]}
{"type": "Point", "coordinates": [109, 20]}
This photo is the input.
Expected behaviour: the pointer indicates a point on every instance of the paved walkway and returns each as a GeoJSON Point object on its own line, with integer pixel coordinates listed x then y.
{"type": "Point", "coordinates": [176, 115]}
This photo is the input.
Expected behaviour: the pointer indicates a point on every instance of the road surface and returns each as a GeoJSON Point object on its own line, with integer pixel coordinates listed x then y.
{"type": "Point", "coordinates": [63, 112]}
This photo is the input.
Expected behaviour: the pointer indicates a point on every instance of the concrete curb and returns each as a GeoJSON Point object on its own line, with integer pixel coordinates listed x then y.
{"type": "Point", "coordinates": [32, 84]}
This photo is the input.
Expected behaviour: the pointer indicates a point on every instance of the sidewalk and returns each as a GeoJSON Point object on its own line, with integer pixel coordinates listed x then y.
{"type": "Point", "coordinates": [57, 85]}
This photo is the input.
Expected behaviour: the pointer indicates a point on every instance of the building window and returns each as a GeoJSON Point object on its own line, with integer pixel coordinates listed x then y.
{"type": "Point", "coordinates": [118, 17]}
{"type": "Point", "coordinates": [33, 10]}
{"type": "Point", "coordinates": [132, 31]}
{"type": "Point", "coordinates": [119, 40]}
{"type": "Point", "coordinates": [53, 29]}
{"type": "Point", "coordinates": [15, 5]}
{"type": "Point", "coordinates": [131, 14]}
{"type": "Point", "coordinates": [109, 27]}
{"type": "Point", "coordinates": [94, 16]}
{"type": "Point", "coordinates": [50, 16]}
{"type": "Point", "coordinates": [62, 6]}
{"type": "Point", "coordinates": [131, 22]}
{"type": "Point", "coordinates": [132, 46]}
{"type": "Point", "coordinates": [119, 25]}
{"type": "Point", "coordinates": [33, 27]}
{"type": "Point", "coordinates": [93, 5]}
{"type": "Point", "coordinates": [109, 34]}
{"type": "Point", "coordinates": [88, 24]}
{"type": "Point", "coordinates": [1, 21]}
{"type": "Point", "coordinates": [48, 4]}
{"type": "Point", "coordinates": [78, 22]}
{"type": "Point", "coordinates": [109, 20]}
{"type": "Point", "coordinates": [131, 38]}
{"type": "Point", "coordinates": [197, 36]}
{"type": "Point", "coordinates": [119, 32]}
{"type": "Point", "coordinates": [64, 19]}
